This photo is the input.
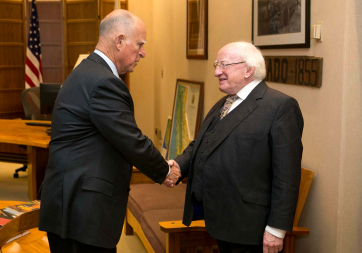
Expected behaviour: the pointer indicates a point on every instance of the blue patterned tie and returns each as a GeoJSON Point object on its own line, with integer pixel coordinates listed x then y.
{"type": "Point", "coordinates": [229, 101]}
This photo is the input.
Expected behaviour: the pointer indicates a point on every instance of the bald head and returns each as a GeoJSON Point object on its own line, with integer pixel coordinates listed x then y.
{"type": "Point", "coordinates": [118, 21]}
{"type": "Point", "coordinates": [121, 38]}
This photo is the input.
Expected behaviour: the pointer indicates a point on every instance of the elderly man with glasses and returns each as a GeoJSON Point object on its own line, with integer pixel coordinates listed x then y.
{"type": "Point", "coordinates": [244, 166]}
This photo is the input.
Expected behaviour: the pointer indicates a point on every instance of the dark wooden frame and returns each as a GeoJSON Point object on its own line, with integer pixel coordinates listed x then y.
{"type": "Point", "coordinates": [189, 54]}
{"type": "Point", "coordinates": [199, 106]}
{"type": "Point", "coordinates": [286, 43]}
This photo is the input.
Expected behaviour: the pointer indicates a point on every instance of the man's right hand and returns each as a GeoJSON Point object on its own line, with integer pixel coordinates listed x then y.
{"type": "Point", "coordinates": [174, 175]}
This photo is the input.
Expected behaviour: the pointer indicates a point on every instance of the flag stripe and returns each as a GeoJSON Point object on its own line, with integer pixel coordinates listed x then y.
{"type": "Point", "coordinates": [32, 58]}
{"type": "Point", "coordinates": [34, 70]}
{"type": "Point", "coordinates": [31, 75]}
{"type": "Point", "coordinates": [28, 82]}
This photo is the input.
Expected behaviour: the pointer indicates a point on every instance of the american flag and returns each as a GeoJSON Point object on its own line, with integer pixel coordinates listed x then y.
{"type": "Point", "coordinates": [33, 69]}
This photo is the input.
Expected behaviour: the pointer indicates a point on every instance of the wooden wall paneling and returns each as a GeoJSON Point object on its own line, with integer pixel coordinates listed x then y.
{"type": "Point", "coordinates": [124, 4]}
{"type": "Point", "coordinates": [51, 37]}
{"type": "Point", "coordinates": [81, 29]}
{"type": "Point", "coordinates": [107, 6]}
{"type": "Point", "coordinates": [12, 57]}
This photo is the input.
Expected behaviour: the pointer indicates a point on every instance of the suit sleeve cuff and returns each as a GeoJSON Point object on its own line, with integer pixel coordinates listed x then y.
{"type": "Point", "coordinates": [276, 232]}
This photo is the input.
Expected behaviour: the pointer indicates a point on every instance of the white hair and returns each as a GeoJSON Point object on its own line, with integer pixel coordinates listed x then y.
{"type": "Point", "coordinates": [252, 57]}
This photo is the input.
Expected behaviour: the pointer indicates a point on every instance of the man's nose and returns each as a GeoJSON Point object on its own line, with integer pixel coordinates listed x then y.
{"type": "Point", "coordinates": [218, 71]}
{"type": "Point", "coordinates": [143, 52]}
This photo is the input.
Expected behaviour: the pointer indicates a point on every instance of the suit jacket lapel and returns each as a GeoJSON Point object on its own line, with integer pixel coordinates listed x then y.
{"type": "Point", "coordinates": [241, 112]}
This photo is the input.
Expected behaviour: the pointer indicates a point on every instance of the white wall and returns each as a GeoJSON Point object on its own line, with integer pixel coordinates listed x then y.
{"type": "Point", "coordinates": [333, 115]}
{"type": "Point", "coordinates": [350, 199]}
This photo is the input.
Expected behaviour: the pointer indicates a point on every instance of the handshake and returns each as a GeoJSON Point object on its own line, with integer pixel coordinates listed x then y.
{"type": "Point", "coordinates": [174, 175]}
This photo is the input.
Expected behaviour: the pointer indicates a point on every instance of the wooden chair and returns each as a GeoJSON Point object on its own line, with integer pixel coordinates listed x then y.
{"type": "Point", "coordinates": [180, 238]}
{"type": "Point", "coordinates": [289, 240]}
{"type": "Point", "coordinates": [36, 241]}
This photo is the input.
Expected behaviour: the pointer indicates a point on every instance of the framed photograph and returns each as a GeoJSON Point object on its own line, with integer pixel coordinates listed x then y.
{"type": "Point", "coordinates": [185, 116]}
{"type": "Point", "coordinates": [196, 44]}
{"type": "Point", "coordinates": [281, 24]}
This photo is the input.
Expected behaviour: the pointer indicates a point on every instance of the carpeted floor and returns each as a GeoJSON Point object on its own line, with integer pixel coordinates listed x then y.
{"type": "Point", "coordinates": [17, 189]}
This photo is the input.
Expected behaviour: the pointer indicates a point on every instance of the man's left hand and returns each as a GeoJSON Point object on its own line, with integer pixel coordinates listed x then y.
{"type": "Point", "coordinates": [271, 243]}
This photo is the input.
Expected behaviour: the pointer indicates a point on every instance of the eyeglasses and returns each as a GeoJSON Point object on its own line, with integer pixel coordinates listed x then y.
{"type": "Point", "coordinates": [224, 65]}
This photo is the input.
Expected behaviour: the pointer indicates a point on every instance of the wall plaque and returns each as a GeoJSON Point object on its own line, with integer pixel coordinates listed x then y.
{"type": "Point", "coordinates": [301, 70]}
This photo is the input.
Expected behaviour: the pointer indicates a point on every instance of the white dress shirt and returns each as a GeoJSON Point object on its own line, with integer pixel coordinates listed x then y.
{"type": "Point", "coordinates": [108, 61]}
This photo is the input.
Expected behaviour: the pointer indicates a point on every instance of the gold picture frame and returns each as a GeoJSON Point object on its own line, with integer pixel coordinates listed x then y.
{"type": "Point", "coordinates": [185, 116]}
{"type": "Point", "coordinates": [196, 37]}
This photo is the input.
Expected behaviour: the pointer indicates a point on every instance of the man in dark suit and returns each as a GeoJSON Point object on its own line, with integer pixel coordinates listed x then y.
{"type": "Point", "coordinates": [244, 166]}
{"type": "Point", "coordinates": [95, 141]}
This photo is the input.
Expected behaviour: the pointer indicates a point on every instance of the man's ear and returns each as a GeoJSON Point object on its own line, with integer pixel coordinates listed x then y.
{"type": "Point", "coordinates": [249, 72]}
{"type": "Point", "coordinates": [119, 41]}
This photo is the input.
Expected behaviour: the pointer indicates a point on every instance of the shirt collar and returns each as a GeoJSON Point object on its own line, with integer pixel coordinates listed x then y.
{"type": "Point", "coordinates": [108, 61]}
{"type": "Point", "coordinates": [244, 92]}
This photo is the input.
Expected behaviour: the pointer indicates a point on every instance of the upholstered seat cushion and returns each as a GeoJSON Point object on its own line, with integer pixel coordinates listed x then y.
{"type": "Point", "coordinates": [151, 228]}
{"type": "Point", "coordinates": [146, 197]}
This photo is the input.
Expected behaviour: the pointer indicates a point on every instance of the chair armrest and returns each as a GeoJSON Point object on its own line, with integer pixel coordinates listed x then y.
{"type": "Point", "coordinates": [299, 231]}
{"type": "Point", "coordinates": [177, 226]}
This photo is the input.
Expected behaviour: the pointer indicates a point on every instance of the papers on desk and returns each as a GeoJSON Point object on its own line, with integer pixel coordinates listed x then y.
{"type": "Point", "coordinates": [11, 212]}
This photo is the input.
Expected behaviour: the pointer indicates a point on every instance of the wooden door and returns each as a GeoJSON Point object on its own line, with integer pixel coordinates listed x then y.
{"type": "Point", "coordinates": [81, 29]}
{"type": "Point", "coordinates": [107, 6]}
{"type": "Point", "coordinates": [12, 65]}
{"type": "Point", "coordinates": [12, 57]}
{"type": "Point", "coordinates": [51, 38]}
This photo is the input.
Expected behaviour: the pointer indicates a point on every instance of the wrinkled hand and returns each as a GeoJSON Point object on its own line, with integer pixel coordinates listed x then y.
{"type": "Point", "coordinates": [271, 243]}
{"type": "Point", "coordinates": [174, 175]}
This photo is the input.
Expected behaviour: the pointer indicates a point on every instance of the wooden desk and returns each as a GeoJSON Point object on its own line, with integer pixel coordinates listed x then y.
{"type": "Point", "coordinates": [37, 140]}
{"type": "Point", "coordinates": [36, 241]}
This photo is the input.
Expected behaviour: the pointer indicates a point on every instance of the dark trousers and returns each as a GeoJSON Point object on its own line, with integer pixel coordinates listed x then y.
{"type": "Point", "coordinates": [228, 247]}
{"type": "Point", "coordinates": [198, 210]}
{"type": "Point", "coordinates": [59, 245]}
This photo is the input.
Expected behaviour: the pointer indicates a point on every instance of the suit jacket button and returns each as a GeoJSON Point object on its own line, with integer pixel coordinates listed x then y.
{"type": "Point", "coordinates": [207, 141]}
{"type": "Point", "coordinates": [202, 150]}
{"type": "Point", "coordinates": [198, 161]}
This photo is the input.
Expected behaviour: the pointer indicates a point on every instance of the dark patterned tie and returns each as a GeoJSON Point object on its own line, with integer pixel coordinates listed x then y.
{"type": "Point", "coordinates": [229, 101]}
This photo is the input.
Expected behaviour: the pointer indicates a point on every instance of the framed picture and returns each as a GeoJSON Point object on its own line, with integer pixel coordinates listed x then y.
{"type": "Point", "coordinates": [166, 138]}
{"type": "Point", "coordinates": [281, 24]}
{"type": "Point", "coordinates": [196, 44]}
{"type": "Point", "coordinates": [185, 116]}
